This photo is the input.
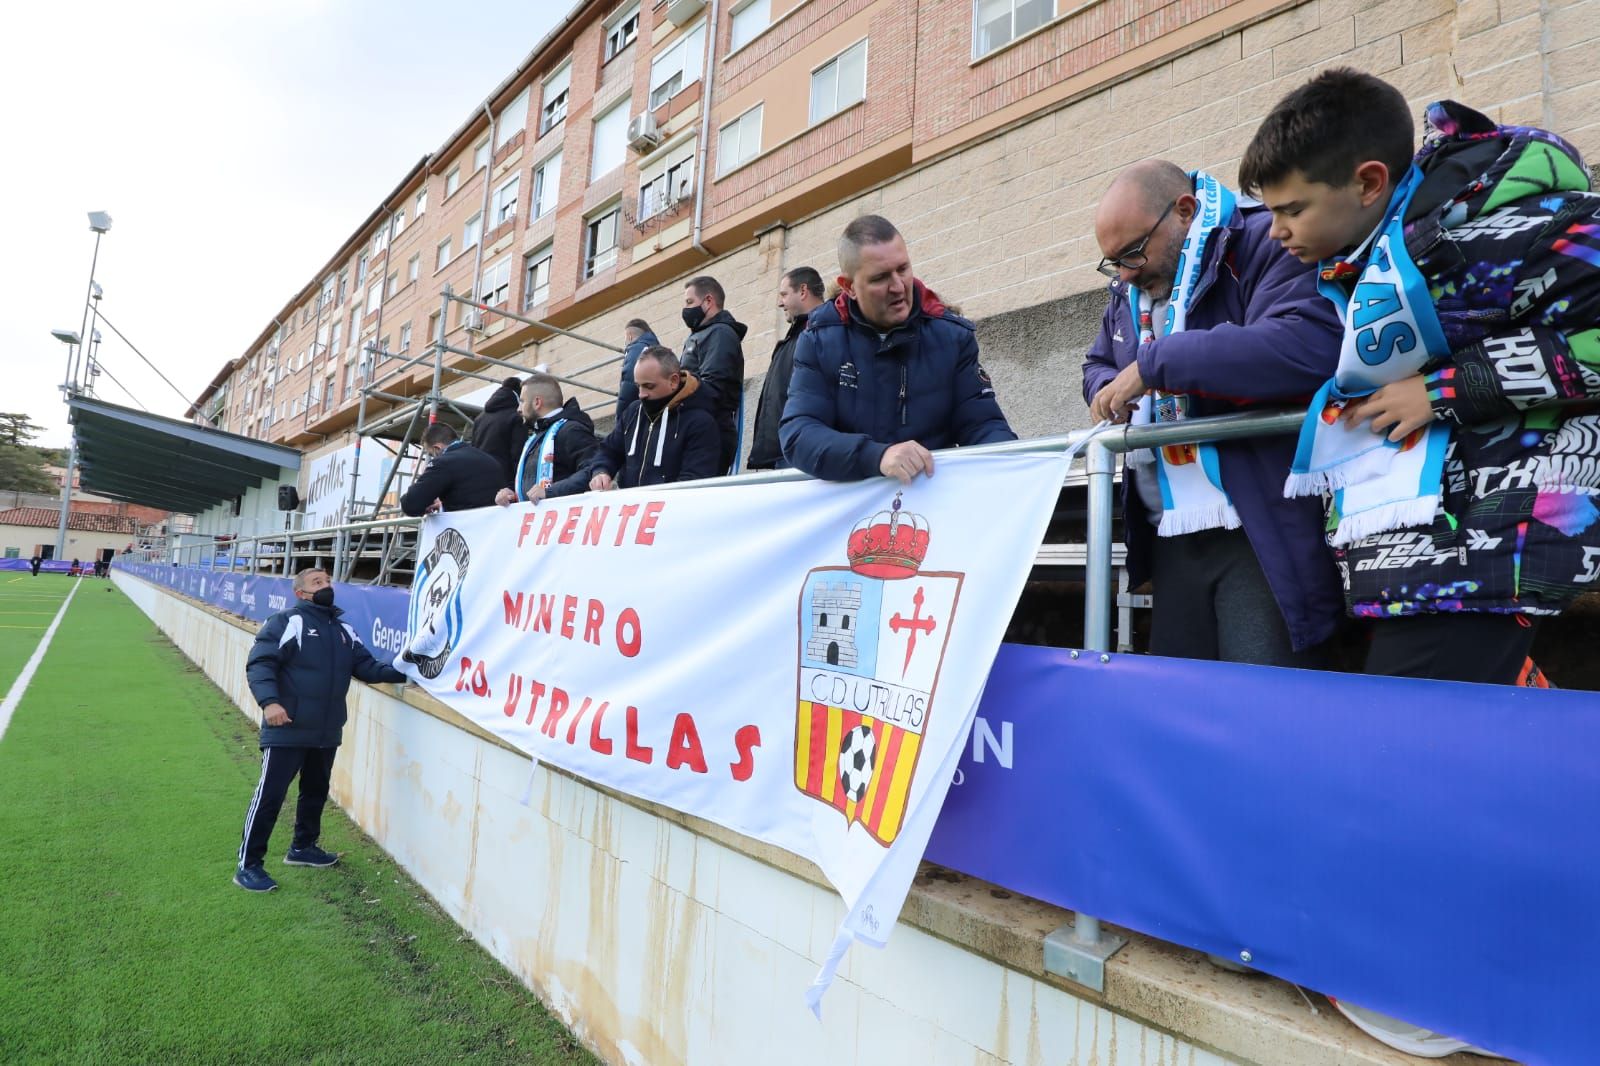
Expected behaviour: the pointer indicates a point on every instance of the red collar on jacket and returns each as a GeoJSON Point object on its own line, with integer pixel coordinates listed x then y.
{"type": "Point", "coordinates": [925, 300]}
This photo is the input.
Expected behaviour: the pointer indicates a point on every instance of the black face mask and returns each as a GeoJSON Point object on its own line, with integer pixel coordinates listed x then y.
{"type": "Point", "coordinates": [323, 597]}
{"type": "Point", "coordinates": [693, 316]}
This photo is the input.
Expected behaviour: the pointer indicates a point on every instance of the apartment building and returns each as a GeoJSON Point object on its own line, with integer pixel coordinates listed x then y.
{"type": "Point", "coordinates": [647, 141]}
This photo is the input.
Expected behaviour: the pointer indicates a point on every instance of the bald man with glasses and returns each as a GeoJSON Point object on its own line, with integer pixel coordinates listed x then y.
{"type": "Point", "coordinates": [1208, 315]}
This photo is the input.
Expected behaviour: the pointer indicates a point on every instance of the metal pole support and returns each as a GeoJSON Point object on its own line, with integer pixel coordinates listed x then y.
{"type": "Point", "coordinates": [1079, 951]}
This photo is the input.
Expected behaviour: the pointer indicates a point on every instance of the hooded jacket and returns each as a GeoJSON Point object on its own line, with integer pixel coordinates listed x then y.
{"type": "Point", "coordinates": [303, 658]}
{"type": "Point", "coordinates": [463, 477]}
{"type": "Point", "coordinates": [680, 443]}
{"type": "Point", "coordinates": [627, 391]}
{"type": "Point", "coordinates": [498, 431]}
{"type": "Point", "coordinates": [714, 353]}
{"type": "Point", "coordinates": [1257, 333]}
{"type": "Point", "coordinates": [855, 391]}
{"type": "Point", "coordinates": [766, 452]}
{"type": "Point", "coordinates": [575, 445]}
{"type": "Point", "coordinates": [1504, 228]}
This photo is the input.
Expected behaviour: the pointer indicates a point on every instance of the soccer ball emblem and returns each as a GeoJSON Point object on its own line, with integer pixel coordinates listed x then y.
{"type": "Point", "coordinates": [856, 754]}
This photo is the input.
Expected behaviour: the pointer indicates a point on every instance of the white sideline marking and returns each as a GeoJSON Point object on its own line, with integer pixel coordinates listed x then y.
{"type": "Point", "coordinates": [20, 685]}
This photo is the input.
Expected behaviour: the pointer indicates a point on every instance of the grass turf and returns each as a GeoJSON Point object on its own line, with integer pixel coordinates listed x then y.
{"type": "Point", "coordinates": [123, 783]}
{"type": "Point", "coordinates": [26, 606]}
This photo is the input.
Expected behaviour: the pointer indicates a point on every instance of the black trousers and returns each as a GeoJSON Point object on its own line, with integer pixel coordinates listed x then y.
{"type": "Point", "coordinates": [1212, 602]}
{"type": "Point", "coordinates": [278, 767]}
{"type": "Point", "coordinates": [1485, 648]}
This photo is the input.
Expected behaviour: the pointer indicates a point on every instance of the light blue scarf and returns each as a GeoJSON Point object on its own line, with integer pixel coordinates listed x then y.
{"type": "Point", "coordinates": [546, 468]}
{"type": "Point", "coordinates": [1192, 496]}
{"type": "Point", "coordinates": [1391, 332]}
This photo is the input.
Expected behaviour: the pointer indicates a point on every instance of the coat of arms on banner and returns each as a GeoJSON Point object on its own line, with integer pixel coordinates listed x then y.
{"type": "Point", "coordinates": [434, 625]}
{"type": "Point", "coordinates": [872, 639]}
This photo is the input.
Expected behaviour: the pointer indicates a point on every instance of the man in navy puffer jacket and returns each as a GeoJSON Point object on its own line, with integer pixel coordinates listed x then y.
{"type": "Point", "coordinates": [885, 374]}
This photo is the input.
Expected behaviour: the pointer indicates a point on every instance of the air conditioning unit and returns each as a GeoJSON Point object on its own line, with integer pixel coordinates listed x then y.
{"type": "Point", "coordinates": [472, 321]}
{"type": "Point", "coordinates": [681, 11]}
{"type": "Point", "coordinates": [643, 133]}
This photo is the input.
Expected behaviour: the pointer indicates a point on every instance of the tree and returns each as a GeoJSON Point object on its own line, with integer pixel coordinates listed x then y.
{"type": "Point", "coordinates": [17, 429]}
{"type": "Point", "coordinates": [22, 466]}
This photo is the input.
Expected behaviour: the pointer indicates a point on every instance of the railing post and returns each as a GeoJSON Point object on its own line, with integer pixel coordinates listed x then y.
{"type": "Point", "coordinates": [1079, 952]}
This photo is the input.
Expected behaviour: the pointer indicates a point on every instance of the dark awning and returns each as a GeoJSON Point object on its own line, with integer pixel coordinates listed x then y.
{"type": "Point", "coordinates": [168, 463]}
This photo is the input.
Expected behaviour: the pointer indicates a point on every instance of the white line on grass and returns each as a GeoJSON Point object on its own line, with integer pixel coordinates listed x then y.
{"type": "Point", "coordinates": [20, 685]}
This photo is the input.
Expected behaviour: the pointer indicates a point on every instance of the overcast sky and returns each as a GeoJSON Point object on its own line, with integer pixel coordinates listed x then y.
{"type": "Point", "coordinates": [234, 145]}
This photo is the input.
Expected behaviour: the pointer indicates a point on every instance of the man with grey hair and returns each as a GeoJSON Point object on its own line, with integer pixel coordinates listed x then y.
{"type": "Point", "coordinates": [299, 670]}
{"type": "Point", "coordinates": [886, 374]}
{"type": "Point", "coordinates": [668, 434]}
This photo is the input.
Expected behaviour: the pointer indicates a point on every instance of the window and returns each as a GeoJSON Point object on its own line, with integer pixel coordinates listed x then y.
{"type": "Point", "coordinates": [374, 298]}
{"type": "Point", "coordinates": [480, 156]}
{"type": "Point", "coordinates": [326, 296]}
{"type": "Point", "coordinates": [398, 225]}
{"type": "Point", "coordinates": [452, 182]}
{"type": "Point", "coordinates": [998, 22]}
{"type": "Point", "coordinates": [546, 185]}
{"type": "Point", "coordinates": [327, 393]}
{"type": "Point", "coordinates": [536, 277]}
{"type": "Point", "coordinates": [383, 346]}
{"type": "Point", "coordinates": [412, 265]}
{"type": "Point", "coordinates": [667, 182]}
{"type": "Point", "coordinates": [840, 82]}
{"type": "Point", "coordinates": [380, 241]}
{"type": "Point", "coordinates": [422, 201]}
{"type": "Point", "coordinates": [405, 337]}
{"type": "Point", "coordinates": [739, 141]}
{"type": "Point", "coordinates": [748, 21]}
{"type": "Point", "coordinates": [610, 140]}
{"type": "Point", "coordinates": [600, 242]}
{"type": "Point", "coordinates": [678, 67]}
{"type": "Point", "coordinates": [344, 284]}
{"type": "Point", "coordinates": [512, 120]}
{"type": "Point", "coordinates": [471, 231]}
{"type": "Point", "coordinates": [393, 284]}
{"type": "Point", "coordinates": [622, 32]}
{"type": "Point", "coordinates": [554, 95]}
{"type": "Point", "coordinates": [495, 287]}
{"type": "Point", "coordinates": [435, 328]}
{"type": "Point", "coordinates": [505, 200]}
{"type": "Point", "coordinates": [336, 339]}
{"type": "Point", "coordinates": [361, 270]}
{"type": "Point", "coordinates": [444, 255]}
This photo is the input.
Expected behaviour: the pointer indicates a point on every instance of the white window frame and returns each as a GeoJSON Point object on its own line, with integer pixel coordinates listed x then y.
{"type": "Point", "coordinates": [670, 71]}
{"type": "Point", "coordinates": [553, 94]}
{"type": "Point", "coordinates": [336, 338]}
{"type": "Point", "coordinates": [665, 183]}
{"type": "Point", "coordinates": [443, 255]}
{"type": "Point", "coordinates": [480, 155]}
{"type": "Point", "coordinates": [452, 182]}
{"type": "Point", "coordinates": [374, 296]}
{"type": "Point", "coordinates": [392, 284]}
{"type": "Point", "coordinates": [422, 201]}
{"type": "Point", "coordinates": [405, 336]}
{"type": "Point", "coordinates": [531, 292]}
{"type": "Point", "coordinates": [751, 31]}
{"type": "Point", "coordinates": [978, 51]}
{"type": "Point", "coordinates": [840, 101]}
{"type": "Point", "coordinates": [413, 268]}
{"type": "Point", "coordinates": [727, 164]}
{"type": "Point", "coordinates": [494, 288]}
{"type": "Point", "coordinates": [398, 225]}
{"type": "Point", "coordinates": [617, 36]}
{"type": "Point", "coordinates": [472, 231]}
{"type": "Point", "coordinates": [513, 118]}
{"type": "Point", "coordinates": [617, 114]}
{"type": "Point", "coordinates": [546, 186]}
{"type": "Point", "coordinates": [506, 209]}
{"type": "Point", "coordinates": [594, 262]}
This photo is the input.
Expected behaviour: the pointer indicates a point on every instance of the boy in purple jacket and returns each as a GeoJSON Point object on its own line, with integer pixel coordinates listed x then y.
{"type": "Point", "coordinates": [1208, 315]}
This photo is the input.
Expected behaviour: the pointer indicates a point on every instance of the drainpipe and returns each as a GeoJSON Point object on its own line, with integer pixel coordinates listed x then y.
{"type": "Point", "coordinates": [706, 80]}
{"type": "Point", "coordinates": [483, 223]}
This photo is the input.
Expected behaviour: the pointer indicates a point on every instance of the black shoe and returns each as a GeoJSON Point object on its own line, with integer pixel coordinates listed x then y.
{"type": "Point", "coordinates": [253, 879]}
{"type": "Point", "coordinates": [310, 855]}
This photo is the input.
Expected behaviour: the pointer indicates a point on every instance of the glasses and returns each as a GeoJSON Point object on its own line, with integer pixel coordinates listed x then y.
{"type": "Point", "coordinates": [1135, 257]}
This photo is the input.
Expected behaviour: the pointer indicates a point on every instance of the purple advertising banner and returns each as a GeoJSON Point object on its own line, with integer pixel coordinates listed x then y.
{"type": "Point", "coordinates": [1424, 849]}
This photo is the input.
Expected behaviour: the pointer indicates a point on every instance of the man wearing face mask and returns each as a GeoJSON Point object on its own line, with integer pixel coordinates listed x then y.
{"type": "Point", "coordinates": [458, 477]}
{"type": "Point", "coordinates": [299, 670]}
{"type": "Point", "coordinates": [886, 374]}
{"type": "Point", "coordinates": [714, 356]}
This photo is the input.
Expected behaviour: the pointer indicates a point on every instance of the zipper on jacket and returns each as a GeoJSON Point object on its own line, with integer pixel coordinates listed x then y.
{"type": "Point", "coordinates": [903, 417]}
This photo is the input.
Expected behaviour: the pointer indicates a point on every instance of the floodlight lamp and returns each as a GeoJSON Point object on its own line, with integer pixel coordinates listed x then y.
{"type": "Point", "coordinates": [66, 336]}
{"type": "Point", "coordinates": [99, 221]}
{"type": "Point", "coordinates": [95, 291]}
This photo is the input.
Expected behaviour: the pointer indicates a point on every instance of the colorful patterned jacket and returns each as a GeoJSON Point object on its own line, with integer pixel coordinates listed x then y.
{"type": "Point", "coordinates": [1508, 235]}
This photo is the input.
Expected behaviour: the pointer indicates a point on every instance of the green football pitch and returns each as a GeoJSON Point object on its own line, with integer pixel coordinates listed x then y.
{"type": "Point", "coordinates": [124, 777]}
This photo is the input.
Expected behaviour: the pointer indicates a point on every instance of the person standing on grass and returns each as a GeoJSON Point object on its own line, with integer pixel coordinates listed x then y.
{"type": "Point", "coordinates": [35, 563]}
{"type": "Point", "coordinates": [299, 671]}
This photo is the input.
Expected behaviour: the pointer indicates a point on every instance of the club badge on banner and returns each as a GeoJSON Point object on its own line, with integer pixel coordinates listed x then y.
{"type": "Point", "coordinates": [798, 661]}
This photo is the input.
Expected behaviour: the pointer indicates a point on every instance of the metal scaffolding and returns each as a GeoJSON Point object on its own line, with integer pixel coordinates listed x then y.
{"type": "Point", "coordinates": [366, 535]}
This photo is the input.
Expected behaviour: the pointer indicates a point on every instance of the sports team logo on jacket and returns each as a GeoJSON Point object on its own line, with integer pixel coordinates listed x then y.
{"type": "Point", "coordinates": [435, 621]}
{"type": "Point", "coordinates": [872, 639]}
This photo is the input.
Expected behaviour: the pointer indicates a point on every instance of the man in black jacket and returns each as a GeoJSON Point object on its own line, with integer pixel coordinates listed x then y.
{"type": "Point", "coordinates": [799, 293]}
{"type": "Point", "coordinates": [559, 442]}
{"type": "Point", "coordinates": [636, 337]}
{"type": "Point", "coordinates": [669, 434]}
{"type": "Point", "coordinates": [499, 431]}
{"type": "Point", "coordinates": [714, 354]}
{"type": "Point", "coordinates": [458, 477]}
{"type": "Point", "coordinates": [299, 671]}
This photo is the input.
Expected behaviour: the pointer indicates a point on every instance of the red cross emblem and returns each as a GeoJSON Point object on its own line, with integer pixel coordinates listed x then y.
{"type": "Point", "coordinates": [916, 623]}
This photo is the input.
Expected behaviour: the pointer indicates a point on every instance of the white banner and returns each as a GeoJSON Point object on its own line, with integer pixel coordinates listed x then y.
{"type": "Point", "coordinates": [797, 661]}
{"type": "Point", "coordinates": [327, 495]}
